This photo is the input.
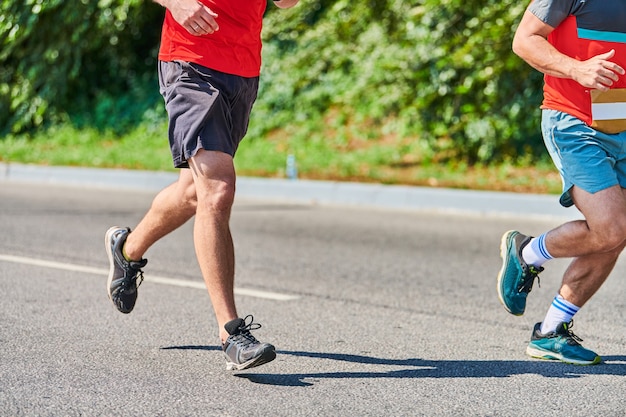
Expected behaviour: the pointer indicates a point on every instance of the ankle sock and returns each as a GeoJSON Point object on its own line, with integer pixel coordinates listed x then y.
{"type": "Point", "coordinates": [124, 254]}
{"type": "Point", "coordinates": [535, 253]}
{"type": "Point", "coordinates": [561, 311]}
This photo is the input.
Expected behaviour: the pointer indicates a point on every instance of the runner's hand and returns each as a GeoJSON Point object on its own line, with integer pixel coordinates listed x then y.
{"type": "Point", "coordinates": [598, 72]}
{"type": "Point", "coordinates": [194, 16]}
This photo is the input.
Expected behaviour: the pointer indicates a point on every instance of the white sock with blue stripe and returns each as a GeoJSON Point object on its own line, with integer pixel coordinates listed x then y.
{"type": "Point", "coordinates": [561, 311]}
{"type": "Point", "coordinates": [535, 253]}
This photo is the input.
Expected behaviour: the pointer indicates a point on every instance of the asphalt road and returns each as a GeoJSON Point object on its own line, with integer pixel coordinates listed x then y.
{"type": "Point", "coordinates": [373, 312]}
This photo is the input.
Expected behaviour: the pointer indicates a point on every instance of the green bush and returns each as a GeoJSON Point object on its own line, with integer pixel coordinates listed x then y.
{"type": "Point", "coordinates": [436, 71]}
{"type": "Point", "coordinates": [435, 76]}
{"type": "Point", "coordinates": [88, 60]}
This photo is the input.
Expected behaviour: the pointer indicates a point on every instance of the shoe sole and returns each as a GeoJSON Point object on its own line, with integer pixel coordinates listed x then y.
{"type": "Point", "coordinates": [107, 245]}
{"type": "Point", "coordinates": [503, 254]}
{"type": "Point", "coordinates": [548, 355]}
{"type": "Point", "coordinates": [267, 356]}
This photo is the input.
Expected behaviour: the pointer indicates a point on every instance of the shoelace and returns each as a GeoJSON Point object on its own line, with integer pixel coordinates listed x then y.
{"type": "Point", "coordinates": [529, 278]}
{"type": "Point", "coordinates": [244, 337]}
{"type": "Point", "coordinates": [136, 277]}
{"type": "Point", "coordinates": [570, 333]}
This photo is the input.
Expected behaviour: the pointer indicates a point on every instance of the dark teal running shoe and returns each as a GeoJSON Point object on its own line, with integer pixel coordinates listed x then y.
{"type": "Point", "coordinates": [516, 278]}
{"type": "Point", "coordinates": [242, 350]}
{"type": "Point", "coordinates": [562, 345]}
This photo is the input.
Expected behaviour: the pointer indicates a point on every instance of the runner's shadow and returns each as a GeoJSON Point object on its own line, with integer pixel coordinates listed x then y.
{"type": "Point", "coordinates": [192, 347]}
{"type": "Point", "coordinates": [425, 368]}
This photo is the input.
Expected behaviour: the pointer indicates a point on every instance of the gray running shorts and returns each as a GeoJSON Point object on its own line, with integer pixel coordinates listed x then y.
{"type": "Point", "coordinates": [206, 109]}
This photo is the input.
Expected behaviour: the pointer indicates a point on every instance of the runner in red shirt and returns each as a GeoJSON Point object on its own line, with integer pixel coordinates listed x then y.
{"type": "Point", "coordinates": [209, 64]}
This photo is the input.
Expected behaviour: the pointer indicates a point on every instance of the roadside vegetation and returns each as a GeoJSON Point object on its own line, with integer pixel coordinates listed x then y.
{"type": "Point", "coordinates": [423, 93]}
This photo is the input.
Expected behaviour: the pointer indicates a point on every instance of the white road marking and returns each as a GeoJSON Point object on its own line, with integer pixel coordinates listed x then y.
{"type": "Point", "coordinates": [155, 279]}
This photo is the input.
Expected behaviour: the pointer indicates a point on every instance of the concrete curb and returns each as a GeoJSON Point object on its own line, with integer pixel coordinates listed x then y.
{"type": "Point", "coordinates": [311, 192]}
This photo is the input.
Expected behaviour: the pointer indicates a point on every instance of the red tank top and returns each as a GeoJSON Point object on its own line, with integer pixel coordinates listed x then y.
{"type": "Point", "coordinates": [234, 49]}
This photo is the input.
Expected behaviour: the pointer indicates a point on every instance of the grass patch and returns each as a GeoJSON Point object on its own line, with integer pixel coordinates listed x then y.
{"type": "Point", "coordinates": [338, 153]}
{"type": "Point", "coordinates": [142, 148]}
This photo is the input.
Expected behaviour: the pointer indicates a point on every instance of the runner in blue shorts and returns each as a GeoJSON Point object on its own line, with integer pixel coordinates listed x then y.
{"type": "Point", "coordinates": [580, 46]}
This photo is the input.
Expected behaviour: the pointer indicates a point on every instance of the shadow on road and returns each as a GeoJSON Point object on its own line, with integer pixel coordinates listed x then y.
{"type": "Point", "coordinates": [425, 368]}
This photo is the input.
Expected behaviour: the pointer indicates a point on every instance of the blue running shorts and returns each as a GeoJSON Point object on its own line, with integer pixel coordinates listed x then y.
{"type": "Point", "coordinates": [206, 109]}
{"type": "Point", "coordinates": [585, 157]}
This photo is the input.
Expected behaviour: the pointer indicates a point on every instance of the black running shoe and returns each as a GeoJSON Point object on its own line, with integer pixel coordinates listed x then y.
{"type": "Point", "coordinates": [242, 350]}
{"type": "Point", "coordinates": [123, 275]}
